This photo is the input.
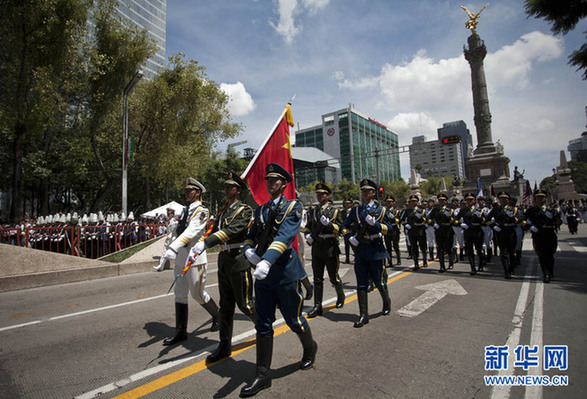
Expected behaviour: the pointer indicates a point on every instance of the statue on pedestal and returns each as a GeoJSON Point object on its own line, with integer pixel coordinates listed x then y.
{"type": "Point", "coordinates": [472, 22]}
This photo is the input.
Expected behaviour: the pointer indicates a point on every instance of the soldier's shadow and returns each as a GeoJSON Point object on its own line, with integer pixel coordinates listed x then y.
{"type": "Point", "coordinates": [159, 331]}
{"type": "Point", "coordinates": [242, 371]}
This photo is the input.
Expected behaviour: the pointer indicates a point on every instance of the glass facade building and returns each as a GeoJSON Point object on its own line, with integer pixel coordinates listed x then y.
{"type": "Point", "coordinates": [436, 159]}
{"type": "Point", "coordinates": [152, 16]}
{"type": "Point", "coordinates": [364, 147]}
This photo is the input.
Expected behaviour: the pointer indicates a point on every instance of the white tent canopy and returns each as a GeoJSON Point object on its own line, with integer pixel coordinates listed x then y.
{"type": "Point", "coordinates": [163, 210]}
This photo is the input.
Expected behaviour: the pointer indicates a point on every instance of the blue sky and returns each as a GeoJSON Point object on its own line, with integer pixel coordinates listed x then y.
{"type": "Point", "coordinates": [398, 61]}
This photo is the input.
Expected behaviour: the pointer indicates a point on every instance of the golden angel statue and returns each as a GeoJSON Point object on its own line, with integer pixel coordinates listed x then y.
{"type": "Point", "coordinates": [472, 22]}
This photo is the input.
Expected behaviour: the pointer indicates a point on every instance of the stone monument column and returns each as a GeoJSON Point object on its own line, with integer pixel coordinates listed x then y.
{"type": "Point", "coordinates": [475, 55]}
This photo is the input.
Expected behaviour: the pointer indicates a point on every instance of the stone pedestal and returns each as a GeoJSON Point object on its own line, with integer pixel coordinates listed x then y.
{"type": "Point", "coordinates": [565, 188]}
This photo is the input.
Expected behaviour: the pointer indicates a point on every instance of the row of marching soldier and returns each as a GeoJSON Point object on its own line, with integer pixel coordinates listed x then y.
{"type": "Point", "coordinates": [257, 254]}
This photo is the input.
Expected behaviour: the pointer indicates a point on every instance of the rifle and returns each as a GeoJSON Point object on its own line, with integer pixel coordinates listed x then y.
{"type": "Point", "coordinates": [364, 226]}
{"type": "Point", "coordinates": [208, 232]}
{"type": "Point", "coordinates": [263, 242]}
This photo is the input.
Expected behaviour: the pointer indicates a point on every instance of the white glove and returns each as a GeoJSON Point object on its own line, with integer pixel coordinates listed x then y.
{"type": "Point", "coordinates": [354, 242]}
{"type": "Point", "coordinates": [370, 219]}
{"type": "Point", "coordinates": [497, 228]}
{"type": "Point", "coordinates": [408, 226]}
{"type": "Point", "coordinates": [197, 249]}
{"type": "Point", "coordinates": [534, 229]}
{"type": "Point", "coordinates": [436, 226]}
{"type": "Point", "coordinates": [252, 256]}
{"type": "Point", "coordinates": [465, 226]}
{"type": "Point", "coordinates": [324, 220]}
{"type": "Point", "coordinates": [169, 254]}
{"type": "Point", "coordinates": [548, 214]}
{"type": "Point", "coordinates": [309, 239]}
{"type": "Point", "coordinates": [262, 269]}
{"type": "Point", "coordinates": [161, 264]}
{"type": "Point", "coordinates": [478, 214]}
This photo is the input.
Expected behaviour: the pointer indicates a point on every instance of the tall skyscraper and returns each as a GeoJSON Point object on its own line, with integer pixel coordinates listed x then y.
{"type": "Point", "coordinates": [364, 147]}
{"type": "Point", "coordinates": [457, 128]}
{"type": "Point", "coordinates": [152, 16]}
{"type": "Point", "coordinates": [436, 159]}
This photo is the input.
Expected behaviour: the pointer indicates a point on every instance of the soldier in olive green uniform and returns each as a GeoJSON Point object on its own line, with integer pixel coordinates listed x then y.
{"type": "Point", "coordinates": [324, 222]}
{"type": "Point", "coordinates": [234, 274]}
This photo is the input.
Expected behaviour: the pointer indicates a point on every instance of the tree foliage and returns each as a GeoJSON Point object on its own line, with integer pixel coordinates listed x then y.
{"type": "Point", "coordinates": [563, 15]}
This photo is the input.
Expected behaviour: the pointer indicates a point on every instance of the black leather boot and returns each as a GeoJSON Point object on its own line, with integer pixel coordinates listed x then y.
{"type": "Point", "coordinates": [224, 348]}
{"type": "Point", "coordinates": [472, 263]}
{"type": "Point", "coordinates": [317, 309]}
{"type": "Point", "coordinates": [340, 297]}
{"type": "Point", "coordinates": [181, 325]}
{"type": "Point", "coordinates": [441, 262]}
{"type": "Point", "coordinates": [211, 308]}
{"type": "Point", "coordinates": [310, 349]}
{"type": "Point", "coordinates": [308, 287]}
{"type": "Point", "coordinates": [262, 379]}
{"type": "Point", "coordinates": [363, 309]}
{"type": "Point", "coordinates": [431, 252]}
{"type": "Point", "coordinates": [386, 300]}
{"type": "Point", "coordinates": [506, 269]}
{"type": "Point", "coordinates": [399, 260]}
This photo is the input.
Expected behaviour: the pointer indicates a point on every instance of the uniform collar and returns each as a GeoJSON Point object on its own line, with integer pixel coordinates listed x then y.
{"type": "Point", "coordinates": [194, 204]}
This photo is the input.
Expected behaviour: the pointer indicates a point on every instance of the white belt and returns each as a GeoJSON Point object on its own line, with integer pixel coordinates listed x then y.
{"type": "Point", "coordinates": [228, 247]}
{"type": "Point", "coordinates": [326, 235]}
{"type": "Point", "coordinates": [373, 236]}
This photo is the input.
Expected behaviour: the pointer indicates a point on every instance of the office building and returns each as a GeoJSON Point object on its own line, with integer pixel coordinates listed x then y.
{"type": "Point", "coordinates": [152, 16]}
{"type": "Point", "coordinates": [457, 128]}
{"type": "Point", "coordinates": [435, 159]}
{"type": "Point", "coordinates": [578, 148]}
{"type": "Point", "coordinates": [363, 147]}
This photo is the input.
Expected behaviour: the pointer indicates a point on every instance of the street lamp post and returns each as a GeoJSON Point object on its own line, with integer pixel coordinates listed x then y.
{"type": "Point", "coordinates": [138, 75]}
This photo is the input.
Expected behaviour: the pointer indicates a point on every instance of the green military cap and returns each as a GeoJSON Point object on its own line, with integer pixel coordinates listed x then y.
{"type": "Point", "coordinates": [503, 194]}
{"type": "Point", "coordinates": [540, 193]}
{"type": "Point", "coordinates": [323, 188]}
{"type": "Point", "coordinates": [442, 196]}
{"type": "Point", "coordinates": [414, 197]}
{"type": "Point", "coordinates": [469, 196]}
{"type": "Point", "coordinates": [234, 179]}
{"type": "Point", "coordinates": [389, 198]}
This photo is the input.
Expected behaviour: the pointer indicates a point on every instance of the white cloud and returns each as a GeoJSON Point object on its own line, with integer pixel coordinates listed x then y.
{"type": "Point", "coordinates": [240, 102]}
{"type": "Point", "coordinates": [288, 10]}
{"type": "Point", "coordinates": [286, 26]}
{"type": "Point", "coordinates": [409, 124]}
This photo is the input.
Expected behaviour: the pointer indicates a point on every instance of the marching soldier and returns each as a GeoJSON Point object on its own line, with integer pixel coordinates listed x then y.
{"type": "Point", "coordinates": [544, 221]}
{"type": "Point", "coordinates": [459, 236]}
{"type": "Point", "coordinates": [371, 224]}
{"type": "Point", "coordinates": [191, 227]}
{"type": "Point", "coordinates": [429, 227]}
{"type": "Point", "coordinates": [392, 236]}
{"type": "Point", "coordinates": [504, 225]}
{"type": "Point", "coordinates": [414, 221]}
{"type": "Point", "coordinates": [234, 271]}
{"type": "Point", "coordinates": [471, 218]}
{"type": "Point", "coordinates": [519, 230]}
{"type": "Point", "coordinates": [278, 272]}
{"type": "Point", "coordinates": [442, 218]}
{"type": "Point", "coordinates": [486, 204]}
{"type": "Point", "coordinates": [322, 229]}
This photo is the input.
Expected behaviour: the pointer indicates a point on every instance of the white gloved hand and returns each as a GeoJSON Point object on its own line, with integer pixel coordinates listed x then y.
{"type": "Point", "coordinates": [309, 239]}
{"type": "Point", "coordinates": [197, 249]}
{"type": "Point", "coordinates": [548, 214]}
{"type": "Point", "coordinates": [262, 270]}
{"type": "Point", "coordinates": [354, 242]}
{"type": "Point", "coordinates": [478, 214]}
{"type": "Point", "coordinates": [252, 256]}
{"type": "Point", "coordinates": [465, 226]}
{"type": "Point", "coordinates": [370, 219]}
{"type": "Point", "coordinates": [436, 226]}
{"type": "Point", "coordinates": [169, 254]}
{"type": "Point", "coordinates": [408, 226]}
{"type": "Point", "coordinates": [161, 264]}
{"type": "Point", "coordinates": [324, 220]}
{"type": "Point", "coordinates": [497, 228]}
{"type": "Point", "coordinates": [534, 229]}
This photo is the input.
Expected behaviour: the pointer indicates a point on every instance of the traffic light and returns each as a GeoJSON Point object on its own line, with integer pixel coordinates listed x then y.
{"type": "Point", "coordinates": [451, 140]}
{"type": "Point", "coordinates": [381, 193]}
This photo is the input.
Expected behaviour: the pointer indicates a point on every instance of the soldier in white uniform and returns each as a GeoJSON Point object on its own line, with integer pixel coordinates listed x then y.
{"type": "Point", "coordinates": [171, 234]}
{"type": "Point", "coordinates": [191, 228]}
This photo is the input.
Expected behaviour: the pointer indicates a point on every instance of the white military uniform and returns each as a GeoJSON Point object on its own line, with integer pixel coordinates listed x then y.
{"type": "Point", "coordinates": [195, 279]}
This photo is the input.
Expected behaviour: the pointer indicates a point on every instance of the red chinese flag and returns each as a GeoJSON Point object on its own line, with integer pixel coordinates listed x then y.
{"type": "Point", "coordinates": [276, 148]}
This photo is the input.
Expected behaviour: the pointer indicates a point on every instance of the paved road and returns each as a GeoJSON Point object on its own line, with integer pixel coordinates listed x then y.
{"type": "Point", "coordinates": [102, 338]}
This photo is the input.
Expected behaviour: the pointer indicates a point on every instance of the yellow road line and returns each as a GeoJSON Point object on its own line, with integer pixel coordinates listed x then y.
{"type": "Point", "coordinates": [202, 365]}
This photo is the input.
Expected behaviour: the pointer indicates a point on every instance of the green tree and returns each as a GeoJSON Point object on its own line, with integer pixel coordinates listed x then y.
{"type": "Point", "coordinates": [399, 190]}
{"type": "Point", "coordinates": [180, 116]}
{"type": "Point", "coordinates": [563, 15]}
{"type": "Point", "coordinates": [346, 189]}
{"type": "Point", "coordinates": [38, 38]}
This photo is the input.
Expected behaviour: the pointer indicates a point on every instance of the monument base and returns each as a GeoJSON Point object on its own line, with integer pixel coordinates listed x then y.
{"type": "Point", "coordinates": [489, 167]}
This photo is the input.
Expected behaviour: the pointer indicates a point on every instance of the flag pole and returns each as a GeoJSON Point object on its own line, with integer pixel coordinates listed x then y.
{"type": "Point", "coordinates": [244, 174]}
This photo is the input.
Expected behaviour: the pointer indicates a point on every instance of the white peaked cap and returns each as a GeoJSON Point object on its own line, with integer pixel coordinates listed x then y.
{"type": "Point", "coordinates": [49, 219]}
{"type": "Point", "coordinates": [62, 219]}
{"type": "Point", "coordinates": [68, 217]}
{"type": "Point", "coordinates": [56, 218]}
{"type": "Point", "coordinates": [40, 220]}
{"type": "Point", "coordinates": [122, 216]}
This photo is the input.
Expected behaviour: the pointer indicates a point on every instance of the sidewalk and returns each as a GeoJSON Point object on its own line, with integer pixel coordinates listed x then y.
{"type": "Point", "coordinates": [22, 268]}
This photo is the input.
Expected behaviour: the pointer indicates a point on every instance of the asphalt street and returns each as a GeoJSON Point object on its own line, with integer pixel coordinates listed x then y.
{"type": "Point", "coordinates": [103, 338]}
